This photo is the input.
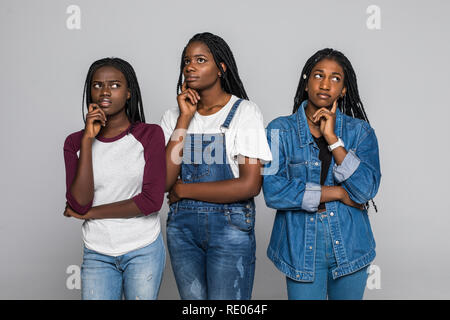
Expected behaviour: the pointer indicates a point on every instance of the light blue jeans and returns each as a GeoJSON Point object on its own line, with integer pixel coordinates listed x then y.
{"type": "Point", "coordinates": [349, 287]}
{"type": "Point", "coordinates": [136, 275]}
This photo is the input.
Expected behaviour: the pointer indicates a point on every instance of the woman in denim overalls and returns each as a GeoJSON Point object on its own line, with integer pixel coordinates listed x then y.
{"type": "Point", "coordinates": [210, 226]}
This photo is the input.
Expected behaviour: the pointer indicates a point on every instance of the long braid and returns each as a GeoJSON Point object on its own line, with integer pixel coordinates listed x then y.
{"type": "Point", "coordinates": [230, 80]}
{"type": "Point", "coordinates": [350, 104]}
{"type": "Point", "coordinates": [134, 106]}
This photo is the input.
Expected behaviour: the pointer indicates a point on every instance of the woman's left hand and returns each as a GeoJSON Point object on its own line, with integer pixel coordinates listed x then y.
{"type": "Point", "coordinates": [327, 120]}
{"type": "Point", "coordinates": [174, 193]}
{"type": "Point", "coordinates": [68, 212]}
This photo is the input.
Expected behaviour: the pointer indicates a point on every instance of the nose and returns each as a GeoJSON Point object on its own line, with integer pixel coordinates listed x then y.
{"type": "Point", "coordinates": [105, 91]}
{"type": "Point", "coordinates": [325, 84]}
{"type": "Point", "coordinates": [189, 68]}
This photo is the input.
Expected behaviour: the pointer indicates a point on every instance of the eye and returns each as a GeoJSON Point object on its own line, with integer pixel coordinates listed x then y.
{"type": "Point", "coordinates": [96, 85]}
{"type": "Point", "coordinates": [115, 85]}
{"type": "Point", "coordinates": [318, 76]}
{"type": "Point", "coordinates": [186, 62]}
{"type": "Point", "coordinates": [201, 60]}
{"type": "Point", "coordinates": [336, 79]}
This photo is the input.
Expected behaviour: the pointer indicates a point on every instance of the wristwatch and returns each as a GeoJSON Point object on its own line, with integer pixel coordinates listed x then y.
{"type": "Point", "coordinates": [339, 143]}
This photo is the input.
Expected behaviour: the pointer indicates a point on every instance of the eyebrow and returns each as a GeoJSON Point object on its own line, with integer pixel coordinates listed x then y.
{"type": "Point", "coordinates": [197, 55]}
{"type": "Point", "coordinates": [338, 73]}
{"type": "Point", "coordinates": [106, 81]}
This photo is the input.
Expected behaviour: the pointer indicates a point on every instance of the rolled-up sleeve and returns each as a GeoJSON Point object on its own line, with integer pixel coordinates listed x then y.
{"type": "Point", "coordinates": [311, 197]}
{"type": "Point", "coordinates": [363, 180]}
{"type": "Point", "coordinates": [343, 171]}
{"type": "Point", "coordinates": [280, 191]}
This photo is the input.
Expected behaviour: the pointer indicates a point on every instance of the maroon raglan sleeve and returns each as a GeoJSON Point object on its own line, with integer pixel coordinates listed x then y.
{"type": "Point", "coordinates": [71, 147]}
{"type": "Point", "coordinates": [151, 197]}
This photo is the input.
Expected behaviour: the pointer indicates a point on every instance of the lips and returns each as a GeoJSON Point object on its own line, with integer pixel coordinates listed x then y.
{"type": "Point", "coordinates": [191, 78]}
{"type": "Point", "coordinates": [323, 96]}
{"type": "Point", "coordinates": [105, 102]}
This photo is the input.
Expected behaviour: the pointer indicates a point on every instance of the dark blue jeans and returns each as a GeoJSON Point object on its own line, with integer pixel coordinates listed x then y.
{"type": "Point", "coordinates": [349, 287]}
{"type": "Point", "coordinates": [212, 249]}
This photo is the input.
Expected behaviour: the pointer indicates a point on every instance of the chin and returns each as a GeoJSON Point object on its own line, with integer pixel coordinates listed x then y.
{"type": "Point", "coordinates": [323, 103]}
{"type": "Point", "coordinates": [195, 86]}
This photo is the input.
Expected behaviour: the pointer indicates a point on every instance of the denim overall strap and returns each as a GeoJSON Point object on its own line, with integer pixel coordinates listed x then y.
{"type": "Point", "coordinates": [230, 116]}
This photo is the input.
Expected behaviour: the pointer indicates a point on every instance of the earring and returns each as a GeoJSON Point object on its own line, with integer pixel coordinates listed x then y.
{"type": "Point", "coordinates": [304, 76]}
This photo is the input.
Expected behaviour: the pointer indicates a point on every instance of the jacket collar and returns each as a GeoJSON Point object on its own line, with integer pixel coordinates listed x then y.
{"type": "Point", "coordinates": [304, 134]}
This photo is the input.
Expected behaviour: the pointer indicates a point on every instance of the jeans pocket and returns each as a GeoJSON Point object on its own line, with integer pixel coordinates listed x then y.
{"type": "Point", "coordinates": [243, 220]}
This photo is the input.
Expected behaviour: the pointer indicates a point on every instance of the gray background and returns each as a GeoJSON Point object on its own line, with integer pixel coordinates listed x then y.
{"type": "Point", "coordinates": [403, 76]}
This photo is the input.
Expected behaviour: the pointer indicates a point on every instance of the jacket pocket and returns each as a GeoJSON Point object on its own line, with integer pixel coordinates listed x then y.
{"type": "Point", "coordinates": [297, 170]}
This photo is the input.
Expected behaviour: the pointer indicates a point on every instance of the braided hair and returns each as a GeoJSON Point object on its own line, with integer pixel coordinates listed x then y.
{"type": "Point", "coordinates": [350, 104]}
{"type": "Point", "coordinates": [133, 107]}
{"type": "Point", "coordinates": [230, 80]}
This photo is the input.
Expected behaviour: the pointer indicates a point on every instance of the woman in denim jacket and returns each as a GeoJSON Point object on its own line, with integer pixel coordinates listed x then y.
{"type": "Point", "coordinates": [325, 169]}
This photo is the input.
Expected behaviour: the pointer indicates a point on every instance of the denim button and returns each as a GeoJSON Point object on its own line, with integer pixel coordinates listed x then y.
{"type": "Point", "coordinates": [316, 164]}
{"type": "Point", "coordinates": [312, 219]}
{"type": "Point", "coordinates": [248, 206]}
{"type": "Point", "coordinates": [337, 242]}
{"type": "Point", "coordinates": [331, 214]}
{"type": "Point", "coordinates": [248, 221]}
{"type": "Point", "coordinates": [310, 247]}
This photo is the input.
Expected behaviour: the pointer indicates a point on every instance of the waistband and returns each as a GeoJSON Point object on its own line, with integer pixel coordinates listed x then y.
{"type": "Point", "coordinates": [210, 206]}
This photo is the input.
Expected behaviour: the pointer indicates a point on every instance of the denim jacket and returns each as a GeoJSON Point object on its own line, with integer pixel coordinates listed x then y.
{"type": "Point", "coordinates": [292, 187]}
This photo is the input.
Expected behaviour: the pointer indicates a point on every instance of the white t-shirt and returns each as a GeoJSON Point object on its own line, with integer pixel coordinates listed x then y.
{"type": "Point", "coordinates": [128, 166]}
{"type": "Point", "coordinates": [245, 135]}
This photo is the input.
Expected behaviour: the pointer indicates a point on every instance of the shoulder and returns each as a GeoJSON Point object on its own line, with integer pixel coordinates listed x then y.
{"type": "Point", "coordinates": [171, 114]}
{"type": "Point", "coordinates": [283, 123]}
{"type": "Point", "coordinates": [356, 126]}
{"type": "Point", "coordinates": [148, 130]}
{"type": "Point", "coordinates": [249, 108]}
{"type": "Point", "coordinates": [147, 133]}
{"type": "Point", "coordinates": [73, 140]}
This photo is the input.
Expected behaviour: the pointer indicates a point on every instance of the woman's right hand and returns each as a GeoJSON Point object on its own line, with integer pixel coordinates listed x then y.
{"type": "Point", "coordinates": [95, 119]}
{"type": "Point", "coordinates": [187, 100]}
{"type": "Point", "coordinates": [345, 198]}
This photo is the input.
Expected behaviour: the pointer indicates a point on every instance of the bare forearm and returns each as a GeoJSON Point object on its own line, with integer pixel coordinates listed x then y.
{"type": "Point", "coordinates": [120, 209]}
{"type": "Point", "coordinates": [82, 187]}
{"type": "Point", "coordinates": [226, 191]}
{"type": "Point", "coordinates": [338, 153]}
{"type": "Point", "coordinates": [331, 193]}
{"type": "Point", "coordinates": [174, 150]}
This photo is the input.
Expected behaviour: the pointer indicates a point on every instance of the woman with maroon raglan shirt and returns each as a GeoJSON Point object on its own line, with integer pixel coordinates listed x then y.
{"type": "Point", "coordinates": [115, 177]}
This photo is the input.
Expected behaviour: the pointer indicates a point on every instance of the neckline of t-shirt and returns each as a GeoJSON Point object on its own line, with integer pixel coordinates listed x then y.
{"type": "Point", "coordinates": [232, 100]}
{"type": "Point", "coordinates": [119, 136]}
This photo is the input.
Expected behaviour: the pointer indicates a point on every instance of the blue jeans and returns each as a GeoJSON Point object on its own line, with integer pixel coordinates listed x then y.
{"type": "Point", "coordinates": [137, 274]}
{"type": "Point", "coordinates": [212, 250]}
{"type": "Point", "coordinates": [349, 287]}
